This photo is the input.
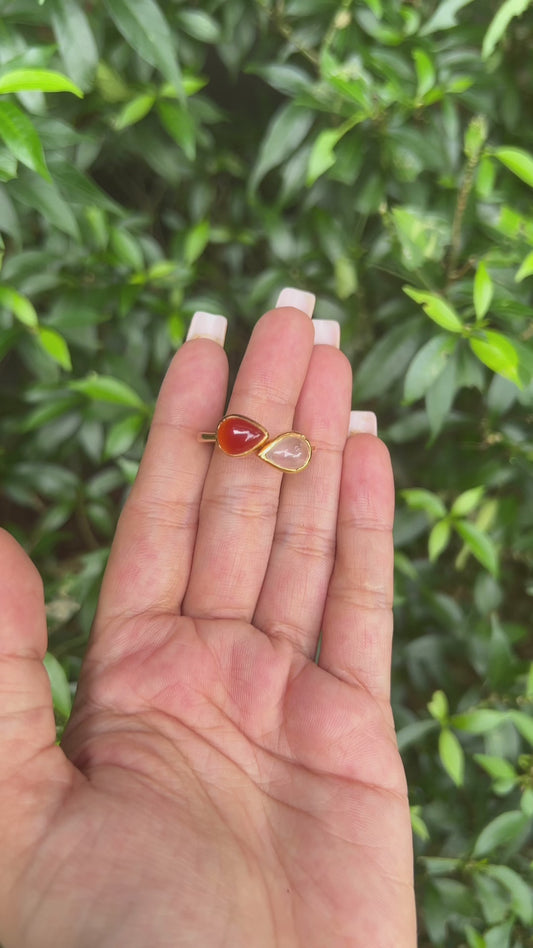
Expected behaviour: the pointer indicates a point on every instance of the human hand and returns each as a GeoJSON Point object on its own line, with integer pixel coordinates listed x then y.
{"type": "Point", "coordinates": [216, 786]}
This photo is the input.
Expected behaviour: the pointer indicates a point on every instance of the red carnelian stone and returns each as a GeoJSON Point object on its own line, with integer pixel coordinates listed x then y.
{"type": "Point", "coordinates": [238, 435]}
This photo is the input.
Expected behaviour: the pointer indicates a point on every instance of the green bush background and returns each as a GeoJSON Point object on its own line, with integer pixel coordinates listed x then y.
{"type": "Point", "coordinates": [378, 153]}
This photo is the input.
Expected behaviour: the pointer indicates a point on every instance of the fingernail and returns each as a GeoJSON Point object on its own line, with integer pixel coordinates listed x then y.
{"type": "Point", "coordinates": [363, 422]}
{"type": "Point", "coordinates": [208, 326]}
{"type": "Point", "coordinates": [299, 299]}
{"type": "Point", "coordinates": [327, 332]}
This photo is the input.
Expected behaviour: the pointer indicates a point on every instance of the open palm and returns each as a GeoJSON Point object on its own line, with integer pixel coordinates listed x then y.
{"type": "Point", "coordinates": [217, 786]}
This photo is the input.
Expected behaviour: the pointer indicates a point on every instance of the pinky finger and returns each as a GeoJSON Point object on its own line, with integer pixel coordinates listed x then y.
{"type": "Point", "coordinates": [357, 625]}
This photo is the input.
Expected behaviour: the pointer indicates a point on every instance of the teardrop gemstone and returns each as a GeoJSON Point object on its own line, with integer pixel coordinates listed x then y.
{"type": "Point", "coordinates": [289, 452]}
{"type": "Point", "coordinates": [237, 435]}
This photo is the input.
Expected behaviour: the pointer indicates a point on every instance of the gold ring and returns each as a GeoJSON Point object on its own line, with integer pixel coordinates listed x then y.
{"type": "Point", "coordinates": [239, 436]}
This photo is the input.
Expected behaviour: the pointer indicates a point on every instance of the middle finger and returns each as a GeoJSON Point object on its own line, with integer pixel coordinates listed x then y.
{"type": "Point", "coordinates": [240, 501]}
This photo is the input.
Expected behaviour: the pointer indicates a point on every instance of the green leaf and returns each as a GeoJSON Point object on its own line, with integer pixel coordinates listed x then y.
{"type": "Point", "coordinates": [525, 269]}
{"type": "Point", "coordinates": [439, 539]}
{"type": "Point", "coordinates": [75, 40]}
{"type": "Point", "coordinates": [518, 161]}
{"type": "Point", "coordinates": [200, 25]}
{"type": "Point", "coordinates": [127, 249]}
{"type": "Point", "coordinates": [427, 365]}
{"type": "Point", "coordinates": [480, 721]}
{"type": "Point", "coordinates": [500, 22]}
{"type": "Point", "coordinates": [61, 696]}
{"type": "Point", "coordinates": [180, 126]}
{"type": "Point", "coordinates": [438, 707]}
{"type": "Point", "coordinates": [196, 241]}
{"type": "Point", "coordinates": [466, 502]}
{"type": "Point", "coordinates": [425, 72]}
{"type": "Point", "coordinates": [17, 304]}
{"type": "Point", "coordinates": [518, 888]}
{"type": "Point", "coordinates": [134, 111]}
{"type": "Point", "coordinates": [387, 359]}
{"type": "Point", "coordinates": [45, 80]}
{"type": "Point", "coordinates": [322, 155]}
{"type": "Point", "coordinates": [104, 388]}
{"type": "Point", "coordinates": [526, 803]}
{"type": "Point", "coordinates": [483, 290]}
{"type": "Point", "coordinates": [21, 138]}
{"type": "Point", "coordinates": [479, 544]}
{"type": "Point", "coordinates": [497, 767]}
{"type": "Point", "coordinates": [54, 344]}
{"type": "Point", "coordinates": [284, 135]}
{"type": "Point", "coordinates": [419, 827]}
{"type": "Point", "coordinates": [418, 498]}
{"type": "Point", "coordinates": [501, 831]}
{"type": "Point", "coordinates": [497, 353]}
{"type": "Point", "coordinates": [45, 198]}
{"type": "Point", "coordinates": [523, 723]}
{"type": "Point", "coordinates": [444, 17]}
{"type": "Point", "coordinates": [122, 435]}
{"type": "Point", "coordinates": [145, 28]}
{"type": "Point", "coordinates": [436, 308]}
{"type": "Point", "coordinates": [452, 756]}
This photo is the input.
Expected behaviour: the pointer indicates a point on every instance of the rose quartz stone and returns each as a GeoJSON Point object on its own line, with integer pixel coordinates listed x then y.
{"type": "Point", "coordinates": [291, 453]}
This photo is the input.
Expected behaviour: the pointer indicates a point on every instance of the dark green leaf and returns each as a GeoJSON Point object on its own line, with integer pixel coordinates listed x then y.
{"type": "Point", "coordinates": [145, 27]}
{"type": "Point", "coordinates": [501, 831]}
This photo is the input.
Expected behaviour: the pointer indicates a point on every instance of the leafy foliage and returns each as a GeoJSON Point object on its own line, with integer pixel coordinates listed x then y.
{"type": "Point", "coordinates": [160, 157]}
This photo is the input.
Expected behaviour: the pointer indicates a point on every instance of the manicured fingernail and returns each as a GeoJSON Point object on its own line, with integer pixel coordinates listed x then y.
{"type": "Point", "coordinates": [363, 422]}
{"type": "Point", "coordinates": [208, 326]}
{"type": "Point", "coordinates": [327, 332]}
{"type": "Point", "coordinates": [297, 298]}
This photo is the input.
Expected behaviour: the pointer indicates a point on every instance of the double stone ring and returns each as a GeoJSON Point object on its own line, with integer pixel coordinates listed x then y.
{"type": "Point", "coordinates": [239, 436]}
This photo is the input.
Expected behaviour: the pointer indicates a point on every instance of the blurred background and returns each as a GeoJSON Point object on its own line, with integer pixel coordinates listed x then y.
{"type": "Point", "coordinates": [161, 156]}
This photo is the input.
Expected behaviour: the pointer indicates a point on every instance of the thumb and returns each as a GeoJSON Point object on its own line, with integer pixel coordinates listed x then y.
{"type": "Point", "coordinates": [27, 726]}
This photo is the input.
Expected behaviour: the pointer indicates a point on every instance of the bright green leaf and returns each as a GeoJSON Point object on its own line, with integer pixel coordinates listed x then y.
{"type": "Point", "coordinates": [17, 304]}
{"type": "Point", "coordinates": [420, 499]}
{"type": "Point", "coordinates": [497, 767]}
{"type": "Point", "coordinates": [466, 502]}
{"type": "Point", "coordinates": [479, 544]}
{"type": "Point", "coordinates": [180, 126]}
{"type": "Point", "coordinates": [479, 721]}
{"type": "Point", "coordinates": [445, 16]}
{"type": "Point", "coordinates": [483, 290]}
{"type": "Point", "coordinates": [21, 138]}
{"type": "Point", "coordinates": [452, 756]}
{"type": "Point", "coordinates": [54, 344]}
{"type": "Point", "coordinates": [497, 353]}
{"type": "Point", "coordinates": [134, 111]}
{"type": "Point", "coordinates": [127, 249]}
{"type": "Point", "coordinates": [45, 80]}
{"type": "Point", "coordinates": [500, 22]}
{"type": "Point", "coordinates": [525, 269]}
{"type": "Point", "coordinates": [61, 696]}
{"type": "Point", "coordinates": [501, 831]}
{"type": "Point", "coordinates": [425, 72]}
{"type": "Point", "coordinates": [438, 707]}
{"type": "Point", "coordinates": [439, 539]}
{"type": "Point", "coordinates": [419, 827]}
{"type": "Point", "coordinates": [196, 241]}
{"type": "Point", "coordinates": [436, 308]}
{"type": "Point", "coordinates": [518, 161]}
{"type": "Point", "coordinates": [322, 155]}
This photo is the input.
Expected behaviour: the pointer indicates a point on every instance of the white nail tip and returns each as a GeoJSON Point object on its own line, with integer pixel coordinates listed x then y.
{"type": "Point", "coordinates": [299, 299]}
{"type": "Point", "coordinates": [327, 332]}
{"type": "Point", "coordinates": [363, 422]}
{"type": "Point", "coordinates": [208, 326]}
